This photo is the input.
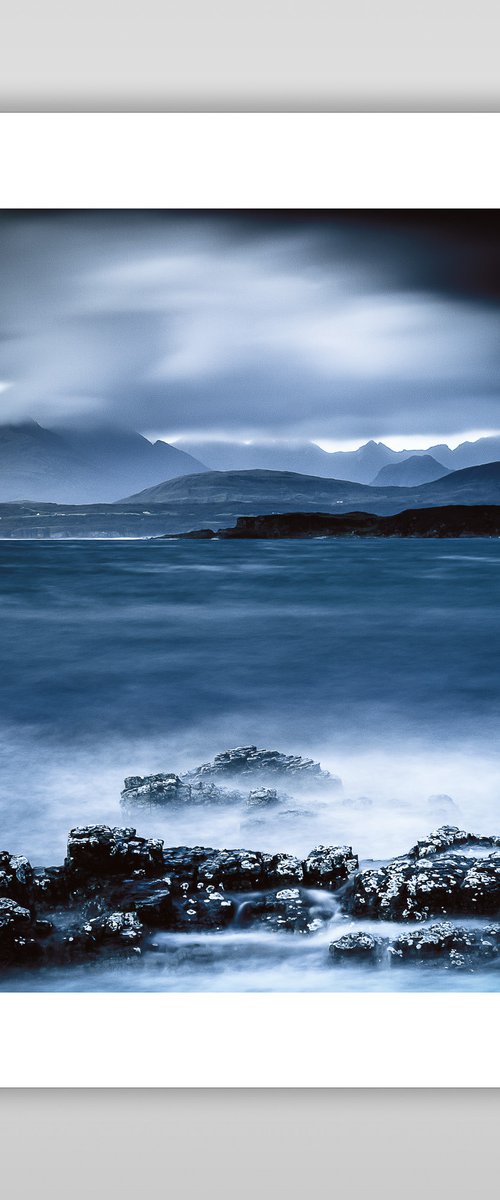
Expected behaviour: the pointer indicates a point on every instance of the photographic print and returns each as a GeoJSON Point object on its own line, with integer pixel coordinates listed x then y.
{"type": "Point", "coordinates": [250, 600]}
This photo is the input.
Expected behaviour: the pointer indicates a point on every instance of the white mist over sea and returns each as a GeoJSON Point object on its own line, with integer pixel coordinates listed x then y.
{"type": "Point", "coordinates": [380, 659]}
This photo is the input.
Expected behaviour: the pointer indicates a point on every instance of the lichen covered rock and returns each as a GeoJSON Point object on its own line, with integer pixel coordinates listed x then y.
{"type": "Point", "coordinates": [101, 850]}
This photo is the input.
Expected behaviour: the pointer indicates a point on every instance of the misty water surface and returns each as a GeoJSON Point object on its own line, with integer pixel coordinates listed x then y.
{"type": "Point", "coordinates": [379, 658]}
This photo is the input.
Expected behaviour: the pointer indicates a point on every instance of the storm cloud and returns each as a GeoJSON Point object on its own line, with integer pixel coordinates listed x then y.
{"type": "Point", "coordinates": [252, 326]}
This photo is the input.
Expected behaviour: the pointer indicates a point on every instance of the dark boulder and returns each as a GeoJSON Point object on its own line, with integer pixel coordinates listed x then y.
{"type": "Point", "coordinates": [16, 932]}
{"type": "Point", "coordinates": [329, 866]}
{"type": "Point", "coordinates": [16, 875]}
{"type": "Point", "coordinates": [100, 850]}
{"type": "Point", "coordinates": [449, 837]}
{"type": "Point", "coordinates": [121, 930]}
{"type": "Point", "coordinates": [205, 909]}
{"type": "Point", "coordinates": [158, 790]}
{"type": "Point", "coordinates": [358, 947]}
{"type": "Point", "coordinates": [290, 910]}
{"type": "Point", "coordinates": [234, 870]}
{"type": "Point", "coordinates": [434, 885]}
{"type": "Point", "coordinates": [447, 944]}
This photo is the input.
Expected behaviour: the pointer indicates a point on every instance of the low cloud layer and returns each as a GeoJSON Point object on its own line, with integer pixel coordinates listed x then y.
{"type": "Point", "coordinates": [251, 327]}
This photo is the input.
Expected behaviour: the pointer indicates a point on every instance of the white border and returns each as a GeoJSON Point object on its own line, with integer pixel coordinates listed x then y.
{"type": "Point", "coordinates": [249, 160]}
{"type": "Point", "coordinates": [251, 1040]}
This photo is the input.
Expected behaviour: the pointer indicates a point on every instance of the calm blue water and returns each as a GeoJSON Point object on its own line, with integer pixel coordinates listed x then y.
{"type": "Point", "coordinates": [380, 658]}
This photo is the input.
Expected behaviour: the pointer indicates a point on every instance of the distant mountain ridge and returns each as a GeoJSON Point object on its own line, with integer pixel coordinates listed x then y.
{"type": "Point", "coordinates": [358, 466]}
{"type": "Point", "coordinates": [83, 467]}
{"type": "Point", "coordinates": [270, 490]}
{"type": "Point", "coordinates": [421, 468]}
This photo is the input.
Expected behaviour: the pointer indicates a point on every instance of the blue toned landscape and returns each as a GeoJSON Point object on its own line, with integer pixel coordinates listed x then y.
{"type": "Point", "coordinates": [249, 600]}
{"type": "Point", "coordinates": [378, 658]}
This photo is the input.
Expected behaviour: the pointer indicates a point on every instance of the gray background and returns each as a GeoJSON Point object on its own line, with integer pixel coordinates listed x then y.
{"type": "Point", "coordinates": [223, 55]}
{"type": "Point", "coordinates": [248, 1145]}
{"type": "Point", "coordinates": [263, 54]}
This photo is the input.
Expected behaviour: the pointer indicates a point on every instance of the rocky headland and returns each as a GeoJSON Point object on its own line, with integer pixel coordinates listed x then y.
{"type": "Point", "coordinates": [449, 521]}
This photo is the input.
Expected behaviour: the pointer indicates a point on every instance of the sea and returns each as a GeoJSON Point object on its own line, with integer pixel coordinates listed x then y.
{"type": "Point", "coordinates": [378, 658]}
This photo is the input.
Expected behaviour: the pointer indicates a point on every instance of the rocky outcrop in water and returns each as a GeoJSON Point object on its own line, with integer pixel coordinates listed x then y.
{"type": "Point", "coordinates": [208, 783]}
{"type": "Point", "coordinates": [430, 882]}
{"type": "Point", "coordinates": [115, 889]}
{"type": "Point", "coordinates": [250, 762]}
{"type": "Point", "coordinates": [441, 943]}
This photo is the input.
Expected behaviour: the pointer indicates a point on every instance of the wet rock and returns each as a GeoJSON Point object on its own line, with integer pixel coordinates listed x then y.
{"type": "Point", "coordinates": [329, 866]}
{"type": "Point", "coordinates": [116, 929]}
{"type": "Point", "coordinates": [264, 798]}
{"type": "Point", "coordinates": [181, 863]}
{"type": "Point", "coordinates": [438, 884]}
{"type": "Point", "coordinates": [174, 791]}
{"type": "Point", "coordinates": [448, 837]}
{"type": "Point", "coordinates": [281, 869]}
{"type": "Point", "coordinates": [154, 906]}
{"type": "Point", "coordinates": [52, 885]}
{"type": "Point", "coordinates": [290, 909]}
{"type": "Point", "coordinates": [158, 790]}
{"type": "Point", "coordinates": [16, 930]}
{"type": "Point", "coordinates": [247, 761]}
{"type": "Point", "coordinates": [447, 943]}
{"type": "Point", "coordinates": [16, 875]}
{"type": "Point", "coordinates": [101, 850]}
{"type": "Point", "coordinates": [234, 870]}
{"type": "Point", "coordinates": [359, 947]}
{"type": "Point", "coordinates": [205, 909]}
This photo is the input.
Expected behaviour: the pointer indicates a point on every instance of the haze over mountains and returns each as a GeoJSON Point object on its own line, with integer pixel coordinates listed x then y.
{"type": "Point", "coordinates": [358, 466]}
{"type": "Point", "coordinates": [83, 466]}
{"type": "Point", "coordinates": [104, 464]}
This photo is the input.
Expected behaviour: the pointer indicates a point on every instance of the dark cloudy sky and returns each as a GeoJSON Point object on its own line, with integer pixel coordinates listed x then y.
{"type": "Point", "coordinates": [331, 326]}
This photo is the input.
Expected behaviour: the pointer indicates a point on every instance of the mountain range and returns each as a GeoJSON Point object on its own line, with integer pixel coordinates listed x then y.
{"type": "Point", "coordinates": [284, 491]}
{"type": "Point", "coordinates": [358, 466]}
{"type": "Point", "coordinates": [81, 467]}
{"type": "Point", "coordinates": [103, 465]}
{"type": "Point", "coordinates": [215, 499]}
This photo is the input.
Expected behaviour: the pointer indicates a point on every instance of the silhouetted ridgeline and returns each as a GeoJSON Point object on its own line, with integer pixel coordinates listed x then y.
{"type": "Point", "coordinates": [482, 520]}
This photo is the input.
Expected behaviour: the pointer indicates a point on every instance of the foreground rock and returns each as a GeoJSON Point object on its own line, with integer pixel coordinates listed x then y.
{"type": "Point", "coordinates": [116, 888]}
{"type": "Point", "coordinates": [442, 943]}
{"type": "Point", "coordinates": [211, 783]}
{"type": "Point", "coordinates": [440, 876]}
